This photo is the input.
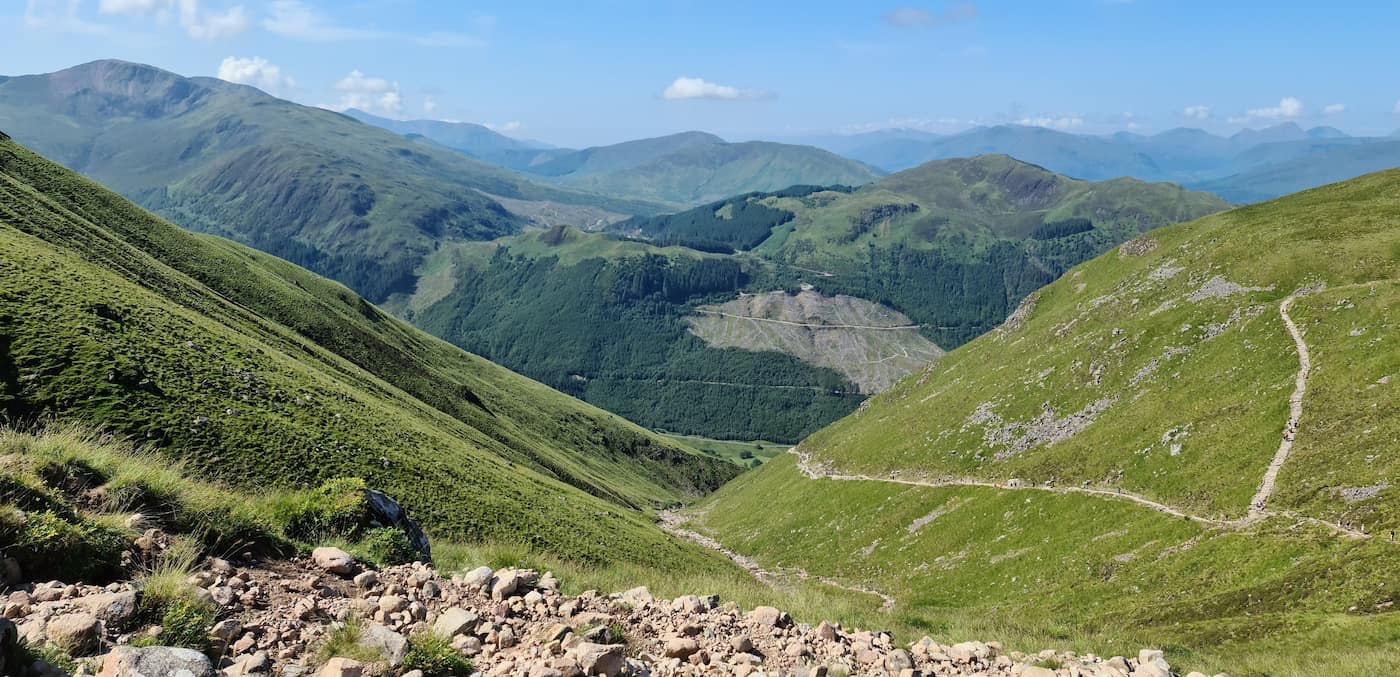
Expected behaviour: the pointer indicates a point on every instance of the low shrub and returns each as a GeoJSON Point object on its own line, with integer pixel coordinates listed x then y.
{"type": "Point", "coordinates": [335, 509]}
{"type": "Point", "coordinates": [435, 657]}
{"type": "Point", "coordinates": [76, 550]}
{"type": "Point", "coordinates": [186, 623]}
{"type": "Point", "coordinates": [387, 546]}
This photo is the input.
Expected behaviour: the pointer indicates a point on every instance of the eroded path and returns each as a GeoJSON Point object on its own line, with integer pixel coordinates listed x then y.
{"type": "Point", "coordinates": [1258, 508]}
{"type": "Point", "coordinates": [674, 524]}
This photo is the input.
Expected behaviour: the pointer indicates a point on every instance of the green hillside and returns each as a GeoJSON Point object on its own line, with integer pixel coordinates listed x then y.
{"type": "Point", "coordinates": [954, 246]}
{"type": "Point", "coordinates": [251, 371]}
{"type": "Point", "coordinates": [354, 202]}
{"type": "Point", "coordinates": [1112, 466]}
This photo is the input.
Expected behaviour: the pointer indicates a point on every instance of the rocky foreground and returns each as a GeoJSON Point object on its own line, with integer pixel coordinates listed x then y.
{"type": "Point", "coordinates": [276, 619]}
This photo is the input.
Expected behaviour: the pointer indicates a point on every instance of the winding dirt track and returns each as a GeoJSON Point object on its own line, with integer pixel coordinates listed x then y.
{"type": "Point", "coordinates": [1258, 508]}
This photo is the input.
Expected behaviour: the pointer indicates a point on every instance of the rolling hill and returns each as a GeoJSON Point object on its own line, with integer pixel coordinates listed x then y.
{"type": "Point", "coordinates": [245, 369]}
{"type": "Point", "coordinates": [646, 322]}
{"type": "Point", "coordinates": [348, 200]}
{"type": "Point", "coordinates": [1188, 438]}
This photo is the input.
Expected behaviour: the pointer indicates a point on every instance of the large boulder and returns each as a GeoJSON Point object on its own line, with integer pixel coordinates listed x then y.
{"type": "Point", "coordinates": [455, 621]}
{"type": "Point", "coordinates": [385, 642]}
{"type": "Point", "coordinates": [155, 661]}
{"type": "Point", "coordinates": [342, 667]}
{"type": "Point", "coordinates": [80, 634]}
{"type": "Point", "coordinates": [116, 609]}
{"type": "Point", "coordinates": [600, 659]}
{"type": "Point", "coordinates": [769, 617]}
{"type": "Point", "coordinates": [385, 511]}
{"type": "Point", "coordinates": [334, 560]}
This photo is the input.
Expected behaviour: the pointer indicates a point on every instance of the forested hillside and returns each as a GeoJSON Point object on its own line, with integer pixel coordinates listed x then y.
{"type": "Point", "coordinates": [954, 246]}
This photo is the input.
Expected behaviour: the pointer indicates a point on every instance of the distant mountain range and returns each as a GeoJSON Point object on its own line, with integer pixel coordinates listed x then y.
{"type": "Point", "coordinates": [681, 170]}
{"type": "Point", "coordinates": [1249, 166]}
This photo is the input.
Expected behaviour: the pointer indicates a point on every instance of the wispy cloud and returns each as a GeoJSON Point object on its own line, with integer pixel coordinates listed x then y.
{"type": "Point", "coordinates": [914, 17]}
{"type": "Point", "coordinates": [255, 71]}
{"type": "Point", "coordinates": [1196, 112]}
{"type": "Point", "coordinates": [369, 94]}
{"type": "Point", "coordinates": [60, 16]}
{"type": "Point", "coordinates": [1334, 109]}
{"type": "Point", "coordinates": [200, 24]}
{"type": "Point", "coordinates": [511, 127]}
{"type": "Point", "coordinates": [1288, 108]}
{"type": "Point", "coordinates": [295, 19]}
{"type": "Point", "coordinates": [1396, 110]}
{"type": "Point", "coordinates": [697, 88]}
{"type": "Point", "coordinates": [1063, 123]}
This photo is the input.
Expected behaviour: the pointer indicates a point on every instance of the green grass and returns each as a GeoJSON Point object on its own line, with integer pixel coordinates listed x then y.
{"type": "Point", "coordinates": [743, 454]}
{"type": "Point", "coordinates": [252, 372]}
{"type": "Point", "coordinates": [1044, 570]}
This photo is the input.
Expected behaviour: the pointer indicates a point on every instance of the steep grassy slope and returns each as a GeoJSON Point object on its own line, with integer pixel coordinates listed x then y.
{"type": "Point", "coordinates": [1088, 470]}
{"type": "Point", "coordinates": [354, 202]}
{"type": "Point", "coordinates": [953, 246]}
{"type": "Point", "coordinates": [255, 372]}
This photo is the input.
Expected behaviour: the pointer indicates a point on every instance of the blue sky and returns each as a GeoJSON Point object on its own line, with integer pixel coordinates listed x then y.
{"type": "Point", "coordinates": [600, 71]}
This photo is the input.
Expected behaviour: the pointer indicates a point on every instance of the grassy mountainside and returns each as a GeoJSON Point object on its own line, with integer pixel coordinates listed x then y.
{"type": "Point", "coordinates": [354, 202]}
{"type": "Point", "coordinates": [252, 371]}
{"type": "Point", "coordinates": [1087, 471]}
{"type": "Point", "coordinates": [953, 246]}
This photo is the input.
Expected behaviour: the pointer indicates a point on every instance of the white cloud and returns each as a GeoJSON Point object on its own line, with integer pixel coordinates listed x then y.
{"type": "Point", "coordinates": [255, 71]}
{"type": "Point", "coordinates": [59, 16]}
{"type": "Point", "coordinates": [914, 17]}
{"type": "Point", "coordinates": [198, 24]}
{"type": "Point", "coordinates": [1196, 112]}
{"type": "Point", "coordinates": [1062, 123]}
{"type": "Point", "coordinates": [294, 19]}
{"type": "Point", "coordinates": [429, 105]}
{"type": "Point", "coordinates": [504, 128]}
{"type": "Point", "coordinates": [372, 95]}
{"type": "Point", "coordinates": [128, 6]}
{"type": "Point", "coordinates": [1289, 108]}
{"type": "Point", "coordinates": [698, 88]}
{"type": "Point", "coordinates": [1334, 109]}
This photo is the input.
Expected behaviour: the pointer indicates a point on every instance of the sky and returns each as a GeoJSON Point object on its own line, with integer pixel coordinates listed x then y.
{"type": "Point", "coordinates": [601, 71]}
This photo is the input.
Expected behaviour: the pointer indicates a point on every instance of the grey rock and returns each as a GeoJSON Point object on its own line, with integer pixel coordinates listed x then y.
{"type": "Point", "coordinates": [155, 661]}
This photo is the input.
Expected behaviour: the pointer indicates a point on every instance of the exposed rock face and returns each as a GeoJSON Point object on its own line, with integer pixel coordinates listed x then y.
{"type": "Point", "coordinates": [387, 512]}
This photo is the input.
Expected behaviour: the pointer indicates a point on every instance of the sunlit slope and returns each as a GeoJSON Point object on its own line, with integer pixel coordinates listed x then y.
{"type": "Point", "coordinates": [253, 371]}
{"type": "Point", "coordinates": [1164, 368]}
